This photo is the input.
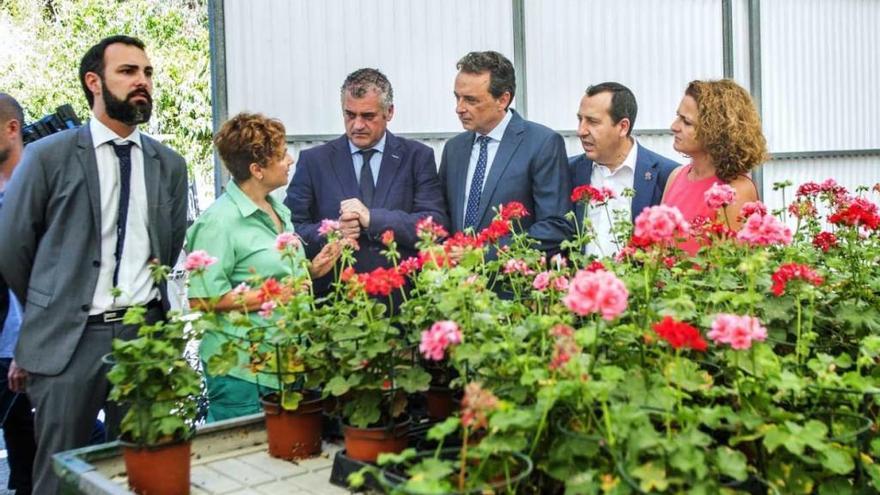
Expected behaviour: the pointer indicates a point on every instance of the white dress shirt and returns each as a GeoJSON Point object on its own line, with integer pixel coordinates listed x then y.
{"type": "Point", "coordinates": [135, 281]}
{"type": "Point", "coordinates": [375, 161]}
{"type": "Point", "coordinates": [618, 180]}
{"type": "Point", "coordinates": [495, 136]}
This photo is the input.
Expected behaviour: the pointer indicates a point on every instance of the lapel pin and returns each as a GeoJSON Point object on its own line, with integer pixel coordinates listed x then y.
{"type": "Point", "coordinates": [395, 156]}
{"type": "Point", "coordinates": [648, 176]}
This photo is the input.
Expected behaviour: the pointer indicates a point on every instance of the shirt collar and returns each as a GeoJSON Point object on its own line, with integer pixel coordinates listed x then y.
{"type": "Point", "coordinates": [498, 132]}
{"type": "Point", "coordinates": [629, 162]}
{"type": "Point", "coordinates": [247, 207]}
{"type": "Point", "coordinates": [380, 146]}
{"type": "Point", "coordinates": [102, 134]}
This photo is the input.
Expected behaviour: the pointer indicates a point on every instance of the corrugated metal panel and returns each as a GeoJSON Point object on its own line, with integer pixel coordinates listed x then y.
{"type": "Point", "coordinates": [655, 47]}
{"type": "Point", "coordinates": [850, 172]}
{"type": "Point", "coordinates": [741, 42]}
{"type": "Point", "coordinates": [288, 58]}
{"type": "Point", "coordinates": [821, 71]}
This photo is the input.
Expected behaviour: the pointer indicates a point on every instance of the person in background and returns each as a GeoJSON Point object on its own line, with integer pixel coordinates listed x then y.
{"type": "Point", "coordinates": [718, 127]}
{"type": "Point", "coordinates": [372, 180]}
{"type": "Point", "coordinates": [613, 159]}
{"type": "Point", "coordinates": [87, 213]}
{"type": "Point", "coordinates": [240, 229]}
{"type": "Point", "coordinates": [502, 157]}
{"type": "Point", "coordinates": [16, 414]}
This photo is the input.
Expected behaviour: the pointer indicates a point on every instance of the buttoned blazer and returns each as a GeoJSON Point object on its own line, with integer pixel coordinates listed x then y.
{"type": "Point", "coordinates": [407, 190]}
{"type": "Point", "coordinates": [530, 167]}
{"type": "Point", "coordinates": [50, 250]}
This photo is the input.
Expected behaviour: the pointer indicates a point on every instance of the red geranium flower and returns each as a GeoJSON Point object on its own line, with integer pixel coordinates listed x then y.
{"type": "Point", "coordinates": [859, 212]}
{"type": "Point", "coordinates": [270, 290]}
{"type": "Point", "coordinates": [495, 231]}
{"type": "Point", "coordinates": [381, 281]}
{"type": "Point", "coordinates": [790, 271]}
{"type": "Point", "coordinates": [589, 194]}
{"type": "Point", "coordinates": [679, 335]}
{"type": "Point", "coordinates": [825, 241]}
{"type": "Point", "coordinates": [512, 210]}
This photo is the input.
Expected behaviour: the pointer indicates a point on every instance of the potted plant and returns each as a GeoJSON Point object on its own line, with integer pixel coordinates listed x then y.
{"type": "Point", "coordinates": [151, 376]}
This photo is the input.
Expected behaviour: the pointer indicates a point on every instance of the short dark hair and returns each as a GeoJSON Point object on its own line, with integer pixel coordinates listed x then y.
{"type": "Point", "coordinates": [10, 109]}
{"type": "Point", "coordinates": [249, 138]}
{"type": "Point", "coordinates": [362, 80]}
{"type": "Point", "coordinates": [502, 76]}
{"type": "Point", "coordinates": [93, 60]}
{"type": "Point", "coordinates": [623, 102]}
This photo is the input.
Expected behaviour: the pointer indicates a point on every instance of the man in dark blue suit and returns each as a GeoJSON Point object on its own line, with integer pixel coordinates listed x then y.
{"type": "Point", "coordinates": [369, 179]}
{"type": "Point", "coordinates": [613, 159]}
{"type": "Point", "coordinates": [502, 157]}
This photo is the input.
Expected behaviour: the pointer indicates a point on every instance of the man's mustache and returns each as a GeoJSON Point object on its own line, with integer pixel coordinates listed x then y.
{"type": "Point", "coordinates": [140, 92]}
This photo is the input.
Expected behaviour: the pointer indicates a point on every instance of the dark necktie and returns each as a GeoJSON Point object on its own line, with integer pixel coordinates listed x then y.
{"type": "Point", "coordinates": [368, 187]}
{"type": "Point", "coordinates": [473, 204]}
{"type": "Point", "coordinates": [123, 151]}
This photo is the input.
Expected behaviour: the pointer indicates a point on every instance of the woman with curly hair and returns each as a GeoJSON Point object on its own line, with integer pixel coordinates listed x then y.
{"type": "Point", "coordinates": [718, 127]}
{"type": "Point", "coordinates": [240, 229]}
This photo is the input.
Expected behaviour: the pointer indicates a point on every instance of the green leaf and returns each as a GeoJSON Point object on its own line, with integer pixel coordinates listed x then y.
{"type": "Point", "coordinates": [441, 430]}
{"type": "Point", "coordinates": [652, 477]}
{"type": "Point", "coordinates": [338, 385]}
{"type": "Point", "coordinates": [837, 459]}
{"type": "Point", "coordinates": [414, 380]}
{"type": "Point", "coordinates": [732, 463]}
{"type": "Point", "coordinates": [290, 400]}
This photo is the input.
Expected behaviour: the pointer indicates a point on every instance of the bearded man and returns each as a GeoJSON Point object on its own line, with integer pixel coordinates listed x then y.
{"type": "Point", "coordinates": [85, 214]}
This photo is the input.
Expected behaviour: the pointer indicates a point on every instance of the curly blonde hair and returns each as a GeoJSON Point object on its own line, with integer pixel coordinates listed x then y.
{"type": "Point", "coordinates": [728, 127]}
{"type": "Point", "coordinates": [250, 138]}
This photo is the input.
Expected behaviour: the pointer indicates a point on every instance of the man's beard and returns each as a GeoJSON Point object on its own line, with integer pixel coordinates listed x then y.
{"type": "Point", "coordinates": [126, 111]}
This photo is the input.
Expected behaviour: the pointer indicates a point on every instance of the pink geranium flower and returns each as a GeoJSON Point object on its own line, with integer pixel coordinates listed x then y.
{"type": "Point", "coordinates": [764, 230]}
{"type": "Point", "coordinates": [596, 292]}
{"type": "Point", "coordinates": [287, 242]}
{"type": "Point", "coordinates": [719, 195]}
{"type": "Point", "coordinates": [560, 284]}
{"type": "Point", "coordinates": [438, 338]}
{"type": "Point", "coordinates": [660, 224]}
{"type": "Point", "coordinates": [751, 208]}
{"type": "Point", "coordinates": [328, 226]}
{"type": "Point", "coordinates": [267, 308]}
{"type": "Point", "coordinates": [198, 260]}
{"type": "Point", "coordinates": [739, 332]}
{"type": "Point", "coordinates": [542, 281]}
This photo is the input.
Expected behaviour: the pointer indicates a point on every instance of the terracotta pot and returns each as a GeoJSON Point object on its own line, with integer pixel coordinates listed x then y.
{"type": "Point", "coordinates": [440, 402]}
{"type": "Point", "coordinates": [365, 444]}
{"type": "Point", "coordinates": [159, 470]}
{"type": "Point", "coordinates": [293, 434]}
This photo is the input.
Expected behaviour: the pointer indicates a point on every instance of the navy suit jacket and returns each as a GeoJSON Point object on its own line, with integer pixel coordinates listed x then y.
{"type": "Point", "coordinates": [649, 179]}
{"type": "Point", "coordinates": [407, 190]}
{"type": "Point", "coordinates": [530, 167]}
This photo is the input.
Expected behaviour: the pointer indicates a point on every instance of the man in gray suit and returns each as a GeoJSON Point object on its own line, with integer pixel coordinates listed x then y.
{"type": "Point", "coordinates": [86, 212]}
{"type": "Point", "coordinates": [502, 157]}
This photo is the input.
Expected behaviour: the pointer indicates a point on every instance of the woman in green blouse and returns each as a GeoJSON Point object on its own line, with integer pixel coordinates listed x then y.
{"type": "Point", "coordinates": [239, 229]}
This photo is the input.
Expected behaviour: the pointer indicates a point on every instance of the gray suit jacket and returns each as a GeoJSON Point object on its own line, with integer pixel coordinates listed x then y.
{"type": "Point", "coordinates": [530, 167]}
{"type": "Point", "coordinates": [50, 247]}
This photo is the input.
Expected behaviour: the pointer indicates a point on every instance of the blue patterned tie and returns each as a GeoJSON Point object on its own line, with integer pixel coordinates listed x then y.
{"type": "Point", "coordinates": [473, 204]}
{"type": "Point", "coordinates": [123, 151]}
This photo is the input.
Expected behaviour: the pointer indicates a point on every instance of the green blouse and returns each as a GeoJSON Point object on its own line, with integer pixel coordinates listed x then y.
{"type": "Point", "coordinates": [242, 238]}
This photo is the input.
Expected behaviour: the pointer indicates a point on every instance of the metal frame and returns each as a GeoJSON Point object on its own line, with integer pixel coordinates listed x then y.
{"type": "Point", "coordinates": [219, 95]}
{"type": "Point", "coordinates": [217, 28]}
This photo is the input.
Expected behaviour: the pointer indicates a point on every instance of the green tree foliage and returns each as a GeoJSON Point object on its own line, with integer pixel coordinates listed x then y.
{"type": "Point", "coordinates": [42, 42]}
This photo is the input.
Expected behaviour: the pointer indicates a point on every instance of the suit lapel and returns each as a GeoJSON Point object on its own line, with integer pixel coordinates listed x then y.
{"type": "Point", "coordinates": [392, 157]}
{"type": "Point", "coordinates": [89, 163]}
{"type": "Point", "coordinates": [151, 185]}
{"type": "Point", "coordinates": [343, 167]}
{"type": "Point", "coordinates": [644, 182]}
{"type": "Point", "coordinates": [510, 141]}
{"type": "Point", "coordinates": [459, 161]}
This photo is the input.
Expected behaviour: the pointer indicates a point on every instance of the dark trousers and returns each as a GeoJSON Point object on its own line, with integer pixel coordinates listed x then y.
{"type": "Point", "coordinates": [68, 403]}
{"type": "Point", "coordinates": [18, 433]}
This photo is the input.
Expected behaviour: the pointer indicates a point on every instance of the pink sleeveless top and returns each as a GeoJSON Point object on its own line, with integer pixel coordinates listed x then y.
{"type": "Point", "coordinates": [688, 196]}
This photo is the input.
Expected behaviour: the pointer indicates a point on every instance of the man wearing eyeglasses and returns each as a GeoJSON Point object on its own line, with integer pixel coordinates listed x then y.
{"type": "Point", "coordinates": [369, 179]}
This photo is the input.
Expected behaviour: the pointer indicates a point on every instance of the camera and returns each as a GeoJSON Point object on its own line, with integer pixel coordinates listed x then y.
{"type": "Point", "coordinates": [63, 118]}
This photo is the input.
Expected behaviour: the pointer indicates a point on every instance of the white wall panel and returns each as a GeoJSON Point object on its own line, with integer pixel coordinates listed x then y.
{"type": "Point", "coordinates": [288, 58]}
{"type": "Point", "coordinates": [821, 72]}
{"type": "Point", "coordinates": [655, 47]}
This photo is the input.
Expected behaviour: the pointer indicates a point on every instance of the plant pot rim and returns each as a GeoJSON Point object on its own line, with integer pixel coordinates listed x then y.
{"type": "Point", "coordinates": [405, 420]}
{"type": "Point", "coordinates": [155, 446]}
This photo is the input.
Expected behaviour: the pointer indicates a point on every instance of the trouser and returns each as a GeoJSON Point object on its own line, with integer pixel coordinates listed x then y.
{"type": "Point", "coordinates": [18, 433]}
{"type": "Point", "coordinates": [68, 403]}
